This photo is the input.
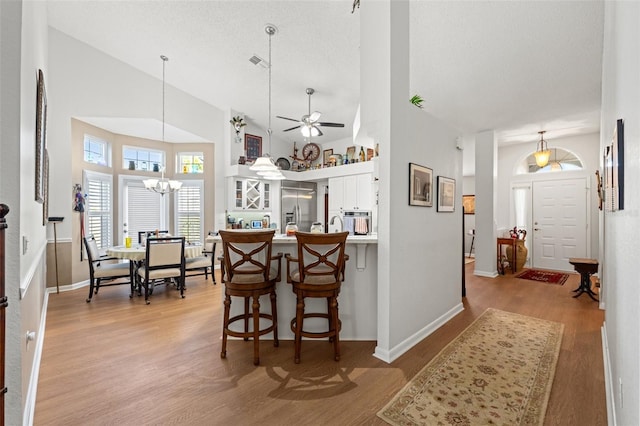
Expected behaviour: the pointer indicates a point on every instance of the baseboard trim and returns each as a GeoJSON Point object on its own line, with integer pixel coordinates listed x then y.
{"type": "Point", "coordinates": [485, 273]}
{"type": "Point", "coordinates": [30, 400]}
{"type": "Point", "coordinates": [608, 381]}
{"type": "Point", "coordinates": [390, 355]}
{"type": "Point", "coordinates": [69, 287]}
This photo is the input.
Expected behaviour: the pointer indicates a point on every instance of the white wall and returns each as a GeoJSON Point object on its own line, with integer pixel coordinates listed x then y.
{"type": "Point", "coordinates": [585, 147]}
{"type": "Point", "coordinates": [23, 41]}
{"type": "Point", "coordinates": [87, 82]}
{"type": "Point", "coordinates": [619, 256]}
{"type": "Point", "coordinates": [468, 188]}
{"type": "Point", "coordinates": [419, 250]}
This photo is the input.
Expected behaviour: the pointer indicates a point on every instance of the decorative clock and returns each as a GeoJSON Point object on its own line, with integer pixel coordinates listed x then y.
{"type": "Point", "coordinates": [310, 152]}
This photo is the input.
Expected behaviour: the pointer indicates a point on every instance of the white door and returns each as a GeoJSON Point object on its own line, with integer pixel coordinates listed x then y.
{"type": "Point", "coordinates": [559, 223]}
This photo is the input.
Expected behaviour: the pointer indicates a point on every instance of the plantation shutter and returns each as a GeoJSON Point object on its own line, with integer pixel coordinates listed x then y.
{"type": "Point", "coordinates": [143, 210]}
{"type": "Point", "coordinates": [98, 207]}
{"type": "Point", "coordinates": [189, 206]}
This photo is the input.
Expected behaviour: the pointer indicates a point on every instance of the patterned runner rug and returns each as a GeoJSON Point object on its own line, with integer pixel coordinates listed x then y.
{"type": "Point", "coordinates": [498, 371]}
{"type": "Point", "coordinates": [548, 277]}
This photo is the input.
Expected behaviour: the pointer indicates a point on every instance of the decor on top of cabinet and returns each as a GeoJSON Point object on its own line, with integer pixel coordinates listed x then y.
{"type": "Point", "coordinates": [237, 123]}
{"type": "Point", "coordinates": [326, 157]}
{"type": "Point", "coordinates": [446, 194]}
{"type": "Point", "coordinates": [252, 146]}
{"type": "Point", "coordinates": [417, 101]}
{"type": "Point", "coordinates": [420, 185]}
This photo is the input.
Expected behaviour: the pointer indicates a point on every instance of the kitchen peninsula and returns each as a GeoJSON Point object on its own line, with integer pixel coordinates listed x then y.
{"type": "Point", "coordinates": [358, 297]}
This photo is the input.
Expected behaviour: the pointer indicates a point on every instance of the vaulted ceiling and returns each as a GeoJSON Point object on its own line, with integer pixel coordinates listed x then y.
{"type": "Point", "coordinates": [513, 66]}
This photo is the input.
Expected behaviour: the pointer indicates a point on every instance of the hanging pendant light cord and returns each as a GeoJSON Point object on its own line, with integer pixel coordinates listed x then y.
{"type": "Point", "coordinates": [164, 62]}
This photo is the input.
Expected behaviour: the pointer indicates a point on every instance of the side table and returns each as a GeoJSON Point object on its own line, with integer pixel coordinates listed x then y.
{"type": "Point", "coordinates": [585, 267]}
{"type": "Point", "coordinates": [509, 242]}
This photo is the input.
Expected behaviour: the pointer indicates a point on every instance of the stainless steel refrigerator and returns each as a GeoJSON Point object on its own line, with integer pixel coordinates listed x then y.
{"type": "Point", "coordinates": [299, 204]}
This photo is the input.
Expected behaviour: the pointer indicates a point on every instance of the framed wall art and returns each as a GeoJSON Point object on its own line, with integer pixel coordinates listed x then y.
{"type": "Point", "coordinates": [41, 136]}
{"type": "Point", "coordinates": [420, 186]}
{"type": "Point", "coordinates": [446, 194]}
{"type": "Point", "coordinates": [469, 204]}
{"type": "Point", "coordinates": [614, 170]}
{"type": "Point", "coordinates": [252, 146]}
{"type": "Point", "coordinates": [326, 154]}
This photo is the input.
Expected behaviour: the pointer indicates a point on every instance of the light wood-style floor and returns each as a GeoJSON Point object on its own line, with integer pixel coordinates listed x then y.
{"type": "Point", "coordinates": [117, 361]}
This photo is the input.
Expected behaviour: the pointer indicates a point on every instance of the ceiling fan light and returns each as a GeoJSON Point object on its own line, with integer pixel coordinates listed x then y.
{"type": "Point", "coordinates": [306, 132]}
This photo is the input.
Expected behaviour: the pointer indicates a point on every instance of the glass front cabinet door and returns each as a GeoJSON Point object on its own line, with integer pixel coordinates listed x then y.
{"type": "Point", "coordinates": [251, 194]}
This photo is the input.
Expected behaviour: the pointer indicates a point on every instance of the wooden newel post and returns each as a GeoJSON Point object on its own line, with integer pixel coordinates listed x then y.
{"type": "Point", "coordinates": [4, 210]}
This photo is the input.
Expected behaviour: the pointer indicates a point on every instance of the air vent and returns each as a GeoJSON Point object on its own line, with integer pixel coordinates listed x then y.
{"type": "Point", "coordinates": [257, 60]}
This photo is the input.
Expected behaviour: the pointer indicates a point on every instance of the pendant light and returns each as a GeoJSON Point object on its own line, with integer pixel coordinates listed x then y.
{"type": "Point", "coordinates": [264, 166]}
{"type": "Point", "coordinates": [543, 153]}
{"type": "Point", "coordinates": [162, 186]}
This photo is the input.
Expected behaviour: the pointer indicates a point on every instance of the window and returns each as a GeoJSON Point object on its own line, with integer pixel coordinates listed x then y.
{"type": "Point", "coordinates": [98, 188]}
{"type": "Point", "coordinates": [96, 151]}
{"type": "Point", "coordinates": [560, 160]}
{"type": "Point", "coordinates": [189, 207]}
{"type": "Point", "coordinates": [142, 210]}
{"type": "Point", "coordinates": [134, 158]}
{"type": "Point", "coordinates": [190, 162]}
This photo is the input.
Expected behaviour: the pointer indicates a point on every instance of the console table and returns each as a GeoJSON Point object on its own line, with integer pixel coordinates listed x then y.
{"type": "Point", "coordinates": [585, 267]}
{"type": "Point", "coordinates": [509, 242]}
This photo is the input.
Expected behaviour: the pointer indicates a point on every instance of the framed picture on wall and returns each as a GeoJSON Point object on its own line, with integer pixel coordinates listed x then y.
{"type": "Point", "coordinates": [446, 194]}
{"type": "Point", "coordinates": [420, 186]}
{"type": "Point", "coordinates": [252, 146]}
{"type": "Point", "coordinates": [614, 170]}
{"type": "Point", "coordinates": [326, 154]}
{"type": "Point", "coordinates": [469, 204]}
{"type": "Point", "coordinates": [41, 136]}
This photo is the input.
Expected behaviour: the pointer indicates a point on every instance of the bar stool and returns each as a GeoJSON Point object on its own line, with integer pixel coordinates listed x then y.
{"type": "Point", "coordinates": [249, 272]}
{"type": "Point", "coordinates": [318, 271]}
{"type": "Point", "coordinates": [472, 232]}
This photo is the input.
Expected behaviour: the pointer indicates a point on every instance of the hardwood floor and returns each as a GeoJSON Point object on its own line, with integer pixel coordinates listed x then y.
{"type": "Point", "coordinates": [117, 361]}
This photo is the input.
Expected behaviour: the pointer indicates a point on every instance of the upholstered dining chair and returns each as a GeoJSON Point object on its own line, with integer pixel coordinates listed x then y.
{"type": "Point", "coordinates": [164, 261]}
{"type": "Point", "coordinates": [250, 271]}
{"type": "Point", "coordinates": [203, 265]}
{"type": "Point", "coordinates": [318, 271]}
{"type": "Point", "coordinates": [100, 269]}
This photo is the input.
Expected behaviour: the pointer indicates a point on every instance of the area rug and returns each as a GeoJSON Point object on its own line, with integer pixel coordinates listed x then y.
{"type": "Point", "coordinates": [548, 277]}
{"type": "Point", "coordinates": [498, 371]}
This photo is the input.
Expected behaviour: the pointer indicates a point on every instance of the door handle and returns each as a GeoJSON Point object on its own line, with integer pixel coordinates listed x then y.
{"type": "Point", "coordinates": [536, 229]}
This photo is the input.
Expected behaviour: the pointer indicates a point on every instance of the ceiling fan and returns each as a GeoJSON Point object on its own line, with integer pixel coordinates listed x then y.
{"type": "Point", "coordinates": [309, 124]}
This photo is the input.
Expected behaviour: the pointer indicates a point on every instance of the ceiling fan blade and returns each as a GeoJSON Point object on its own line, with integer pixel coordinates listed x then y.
{"type": "Point", "coordinates": [325, 124]}
{"type": "Point", "coordinates": [287, 118]}
{"type": "Point", "coordinates": [319, 131]}
{"type": "Point", "coordinates": [291, 128]}
{"type": "Point", "coordinates": [315, 116]}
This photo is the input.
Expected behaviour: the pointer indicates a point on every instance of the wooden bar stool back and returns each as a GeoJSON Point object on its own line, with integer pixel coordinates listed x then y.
{"type": "Point", "coordinates": [318, 271]}
{"type": "Point", "coordinates": [250, 271]}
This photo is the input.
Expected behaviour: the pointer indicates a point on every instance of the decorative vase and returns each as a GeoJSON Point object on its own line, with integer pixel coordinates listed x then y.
{"type": "Point", "coordinates": [156, 167]}
{"type": "Point", "coordinates": [132, 165]}
{"type": "Point", "coordinates": [521, 254]}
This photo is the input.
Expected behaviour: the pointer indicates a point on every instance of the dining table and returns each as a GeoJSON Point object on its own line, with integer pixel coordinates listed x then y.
{"type": "Point", "coordinates": [136, 255]}
{"type": "Point", "coordinates": [138, 252]}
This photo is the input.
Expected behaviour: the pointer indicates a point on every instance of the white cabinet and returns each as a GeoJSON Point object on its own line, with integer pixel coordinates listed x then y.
{"type": "Point", "coordinates": [354, 192]}
{"type": "Point", "coordinates": [250, 194]}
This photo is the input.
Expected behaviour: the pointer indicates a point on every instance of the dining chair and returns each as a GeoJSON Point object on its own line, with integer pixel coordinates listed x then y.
{"type": "Point", "coordinates": [250, 272]}
{"type": "Point", "coordinates": [317, 272]}
{"type": "Point", "coordinates": [101, 270]}
{"type": "Point", "coordinates": [142, 235]}
{"type": "Point", "coordinates": [203, 265]}
{"type": "Point", "coordinates": [164, 261]}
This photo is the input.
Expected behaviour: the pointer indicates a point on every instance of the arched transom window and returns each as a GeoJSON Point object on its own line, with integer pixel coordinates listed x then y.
{"type": "Point", "coordinates": [560, 160]}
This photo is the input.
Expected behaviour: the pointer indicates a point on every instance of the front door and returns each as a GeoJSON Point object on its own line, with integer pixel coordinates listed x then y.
{"type": "Point", "coordinates": [559, 222]}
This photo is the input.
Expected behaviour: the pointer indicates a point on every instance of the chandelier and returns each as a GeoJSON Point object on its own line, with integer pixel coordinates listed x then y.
{"type": "Point", "coordinates": [264, 165]}
{"type": "Point", "coordinates": [542, 153]}
{"type": "Point", "coordinates": [162, 186]}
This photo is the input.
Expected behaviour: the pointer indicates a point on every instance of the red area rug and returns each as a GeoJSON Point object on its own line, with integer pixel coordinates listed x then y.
{"type": "Point", "coordinates": [548, 277]}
